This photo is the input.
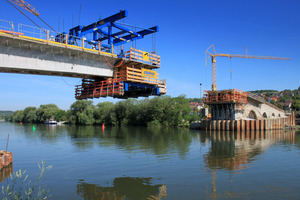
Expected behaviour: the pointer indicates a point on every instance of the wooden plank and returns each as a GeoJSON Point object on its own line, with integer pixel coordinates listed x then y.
{"type": "Point", "coordinates": [134, 69]}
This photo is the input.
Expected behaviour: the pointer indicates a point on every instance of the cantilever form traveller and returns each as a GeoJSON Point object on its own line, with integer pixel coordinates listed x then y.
{"type": "Point", "coordinates": [109, 32]}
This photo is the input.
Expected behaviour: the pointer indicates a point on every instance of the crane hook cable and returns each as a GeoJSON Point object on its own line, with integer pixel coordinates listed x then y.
{"type": "Point", "coordinates": [47, 24]}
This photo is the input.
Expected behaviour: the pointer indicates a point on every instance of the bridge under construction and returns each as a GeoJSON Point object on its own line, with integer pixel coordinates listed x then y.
{"type": "Point", "coordinates": [94, 53]}
{"type": "Point", "coordinates": [235, 110]}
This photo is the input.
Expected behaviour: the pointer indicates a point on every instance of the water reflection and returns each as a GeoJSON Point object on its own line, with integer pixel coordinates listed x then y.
{"type": "Point", "coordinates": [128, 188]}
{"type": "Point", "coordinates": [6, 172]}
{"type": "Point", "coordinates": [236, 151]}
{"type": "Point", "coordinates": [158, 141]}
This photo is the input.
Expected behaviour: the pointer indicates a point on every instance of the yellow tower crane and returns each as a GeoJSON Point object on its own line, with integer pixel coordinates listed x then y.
{"type": "Point", "coordinates": [214, 55]}
{"type": "Point", "coordinates": [26, 6]}
{"type": "Point", "coordinates": [23, 4]}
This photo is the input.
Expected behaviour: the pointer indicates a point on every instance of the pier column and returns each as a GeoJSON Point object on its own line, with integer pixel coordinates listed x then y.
{"type": "Point", "coordinates": [247, 125]}
{"type": "Point", "coordinates": [266, 124]}
{"type": "Point", "coordinates": [213, 125]}
{"type": "Point", "coordinates": [227, 125]}
{"type": "Point", "coordinates": [231, 127]}
{"type": "Point", "coordinates": [252, 125]}
{"type": "Point", "coordinates": [257, 125]}
{"type": "Point", "coordinates": [223, 125]}
{"type": "Point", "coordinates": [237, 125]}
{"type": "Point", "coordinates": [218, 125]}
{"type": "Point", "coordinates": [262, 124]}
{"type": "Point", "coordinates": [242, 125]}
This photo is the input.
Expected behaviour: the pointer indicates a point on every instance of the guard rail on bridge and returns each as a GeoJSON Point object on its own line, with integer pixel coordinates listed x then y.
{"type": "Point", "coordinates": [48, 36]}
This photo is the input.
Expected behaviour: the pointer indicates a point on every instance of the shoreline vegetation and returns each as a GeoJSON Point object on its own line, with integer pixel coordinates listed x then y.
{"type": "Point", "coordinates": [152, 112]}
{"type": "Point", "coordinates": [157, 111]}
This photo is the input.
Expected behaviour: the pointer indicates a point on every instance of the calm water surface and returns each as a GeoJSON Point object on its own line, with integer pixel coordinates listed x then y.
{"type": "Point", "coordinates": [138, 163]}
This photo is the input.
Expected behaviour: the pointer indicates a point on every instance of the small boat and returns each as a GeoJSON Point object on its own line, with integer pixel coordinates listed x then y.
{"type": "Point", "coordinates": [51, 121]}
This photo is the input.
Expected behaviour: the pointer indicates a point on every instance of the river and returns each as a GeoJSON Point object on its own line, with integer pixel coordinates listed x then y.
{"type": "Point", "coordinates": [136, 163]}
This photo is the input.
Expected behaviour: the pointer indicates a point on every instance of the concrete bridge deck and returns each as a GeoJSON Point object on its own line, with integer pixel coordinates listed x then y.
{"type": "Point", "coordinates": [21, 54]}
{"type": "Point", "coordinates": [27, 55]}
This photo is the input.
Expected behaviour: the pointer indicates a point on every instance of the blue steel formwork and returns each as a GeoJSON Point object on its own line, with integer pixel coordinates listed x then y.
{"type": "Point", "coordinates": [108, 33]}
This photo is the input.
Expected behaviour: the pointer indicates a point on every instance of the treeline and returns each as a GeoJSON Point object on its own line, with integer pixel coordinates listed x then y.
{"type": "Point", "coordinates": [157, 111]}
{"type": "Point", "coordinates": [263, 91]}
{"type": "Point", "coordinates": [5, 114]}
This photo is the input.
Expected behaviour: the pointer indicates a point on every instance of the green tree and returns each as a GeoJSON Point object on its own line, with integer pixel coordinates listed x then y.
{"type": "Point", "coordinates": [18, 116]}
{"type": "Point", "coordinates": [45, 112]}
{"type": "Point", "coordinates": [30, 115]}
{"type": "Point", "coordinates": [61, 115]}
{"type": "Point", "coordinates": [82, 112]}
{"type": "Point", "coordinates": [273, 102]}
{"type": "Point", "coordinates": [296, 105]}
{"type": "Point", "coordinates": [103, 112]}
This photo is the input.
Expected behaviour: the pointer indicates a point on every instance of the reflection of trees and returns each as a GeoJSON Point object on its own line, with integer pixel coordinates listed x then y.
{"type": "Point", "coordinates": [46, 133]}
{"type": "Point", "coordinates": [123, 188]}
{"type": "Point", "coordinates": [83, 136]}
{"type": "Point", "coordinates": [158, 141]}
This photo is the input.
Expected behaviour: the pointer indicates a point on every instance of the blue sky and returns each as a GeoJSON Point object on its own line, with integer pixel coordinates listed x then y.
{"type": "Point", "coordinates": [187, 29]}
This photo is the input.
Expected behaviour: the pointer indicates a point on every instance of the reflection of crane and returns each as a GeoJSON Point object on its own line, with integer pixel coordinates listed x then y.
{"type": "Point", "coordinates": [213, 60]}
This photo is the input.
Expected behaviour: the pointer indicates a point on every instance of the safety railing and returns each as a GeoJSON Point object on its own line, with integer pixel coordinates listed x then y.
{"type": "Point", "coordinates": [91, 89]}
{"type": "Point", "coordinates": [6, 25]}
{"type": "Point", "coordinates": [32, 31]}
{"type": "Point", "coordinates": [51, 36]}
{"type": "Point", "coordinates": [142, 56]}
{"type": "Point", "coordinates": [226, 96]}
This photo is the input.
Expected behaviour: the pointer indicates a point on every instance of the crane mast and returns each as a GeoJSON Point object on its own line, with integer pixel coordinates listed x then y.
{"type": "Point", "coordinates": [213, 60]}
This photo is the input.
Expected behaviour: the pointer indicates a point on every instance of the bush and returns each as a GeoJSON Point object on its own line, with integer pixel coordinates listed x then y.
{"type": "Point", "coordinates": [21, 187]}
{"type": "Point", "coordinates": [154, 123]}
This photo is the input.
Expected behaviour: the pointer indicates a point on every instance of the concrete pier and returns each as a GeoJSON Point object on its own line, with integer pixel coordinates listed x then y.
{"type": "Point", "coordinates": [246, 125]}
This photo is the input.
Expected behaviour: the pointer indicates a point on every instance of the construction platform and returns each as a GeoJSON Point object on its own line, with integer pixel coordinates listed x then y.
{"type": "Point", "coordinates": [225, 104]}
{"type": "Point", "coordinates": [133, 77]}
{"type": "Point", "coordinates": [235, 110]}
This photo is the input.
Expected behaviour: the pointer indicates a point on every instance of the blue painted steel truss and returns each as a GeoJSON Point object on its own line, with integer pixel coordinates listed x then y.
{"type": "Point", "coordinates": [104, 32]}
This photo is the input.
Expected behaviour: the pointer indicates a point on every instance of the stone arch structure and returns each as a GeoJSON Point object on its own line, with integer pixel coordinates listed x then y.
{"type": "Point", "coordinates": [273, 114]}
{"type": "Point", "coordinates": [252, 115]}
{"type": "Point", "coordinates": [265, 115]}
